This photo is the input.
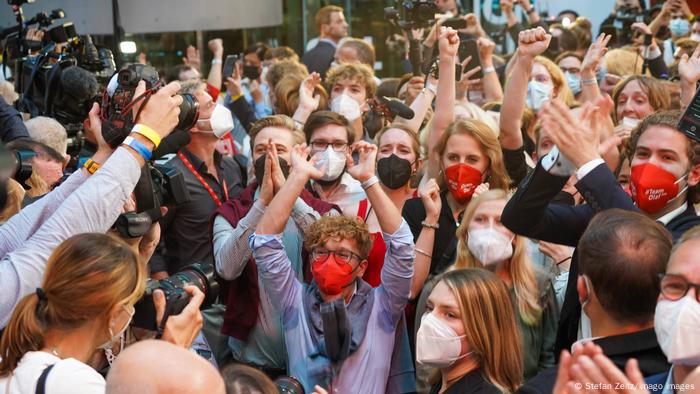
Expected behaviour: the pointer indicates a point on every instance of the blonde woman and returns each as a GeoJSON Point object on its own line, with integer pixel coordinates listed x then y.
{"type": "Point", "coordinates": [482, 241]}
{"type": "Point", "coordinates": [468, 334]}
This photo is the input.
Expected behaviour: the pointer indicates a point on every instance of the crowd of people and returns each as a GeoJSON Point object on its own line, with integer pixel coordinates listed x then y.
{"type": "Point", "coordinates": [526, 225]}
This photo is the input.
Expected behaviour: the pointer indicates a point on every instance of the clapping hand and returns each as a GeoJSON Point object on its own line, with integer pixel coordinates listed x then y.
{"type": "Point", "coordinates": [689, 67]}
{"type": "Point", "coordinates": [366, 167]}
{"type": "Point", "coordinates": [275, 169]}
{"type": "Point", "coordinates": [308, 101]}
{"type": "Point", "coordinates": [192, 58]}
{"type": "Point", "coordinates": [595, 53]}
{"type": "Point", "coordinates": [576, 142]}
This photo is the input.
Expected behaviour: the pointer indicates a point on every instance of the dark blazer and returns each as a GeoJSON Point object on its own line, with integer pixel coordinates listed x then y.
{"type": "Point", "coordinates": [320, 58]}
{"type": "Point", "coordinates": [641, 345]}
{"type": "Point", "coordinates": [471, 383]}
{"type": "Point", "coordinates": [530, 213]}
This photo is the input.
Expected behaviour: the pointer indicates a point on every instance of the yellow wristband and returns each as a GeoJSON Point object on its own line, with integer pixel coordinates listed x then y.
{"type": "Point", "coordinates": [234, 98]}
{"type": "Point", "coordinates": [148, 133]}
{"type": "Point", "coordinates": [91, 166]}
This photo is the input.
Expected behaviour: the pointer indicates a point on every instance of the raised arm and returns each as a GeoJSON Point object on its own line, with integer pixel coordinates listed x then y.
{"type": "Point", "coordinates": [308, 101]}
{"type": "Point", "coordinates": [420, 105]}
{"type": "Point", "coordinates": [444, 105]}
{"type": "Point", "coordinates": [590, 91]}
{"type": "Point", "coordinates": [689, 70]}
{"type": "Point", "coordinates": [531, 43]}
{"type": "Point", "coordinates": [430, 195]}
{"type": "Point", "coordinates": [216, 46]}
{"type": "Point", "coordinates": [493, 91]}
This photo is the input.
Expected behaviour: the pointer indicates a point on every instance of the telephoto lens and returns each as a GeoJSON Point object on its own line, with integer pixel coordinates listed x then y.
{"type": "Point", "coordinates": [189, 112]}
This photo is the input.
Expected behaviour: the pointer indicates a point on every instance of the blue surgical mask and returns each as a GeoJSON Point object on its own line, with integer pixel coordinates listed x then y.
{"type": "Point", "coordinates": [679, 27]}
{"type": "Point", "coordinates": [537, 94]}
{"type": "Point", "coordinates": [574, 82]}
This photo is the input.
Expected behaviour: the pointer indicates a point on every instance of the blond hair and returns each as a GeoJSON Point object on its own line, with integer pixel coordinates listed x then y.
{"type": "Point", "coordinates": [49, 132]}
{"type": "Point", "coordinates": [86, 277]}
{"type": "Point", "coordinates": [623, 62]}
{"type": "Point", "coordinates": [519, 267]}
{"type": "Point", "coordinates": [323, 16]}
{"type": "Point", "coordinates": [496, 173]}
{"type": "Point", "coordinates": [354, 72]}
{"type": "Point", "coordinates": [287, 95]}
{"type": "Point", "coordinates": [277, 121]}
{"type": "Point", "coordinates": [477, 113]}
{"type": "Point", "coordinates": [489, 325]}
{"type": "Point", "coordinates": [282, 69]}
{"type": "Point", "coordinates": [15, 196]}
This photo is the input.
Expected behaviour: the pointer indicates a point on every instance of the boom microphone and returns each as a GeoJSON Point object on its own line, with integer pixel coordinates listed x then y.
{"type": "Point", "coordinates": [397, 108]}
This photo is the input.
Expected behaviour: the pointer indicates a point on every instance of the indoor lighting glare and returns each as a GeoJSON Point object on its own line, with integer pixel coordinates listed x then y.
{"type": "Point", "coordinates": [566, 21]}
{"type": "Point", "coordinates": [127, 47]}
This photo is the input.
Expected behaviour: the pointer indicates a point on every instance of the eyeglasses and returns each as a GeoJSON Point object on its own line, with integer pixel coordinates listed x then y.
{"type": "Point", "coordinates": [674, 287]}
{"type": "Point", "coordinates": [338, 146]}
{"type": "Point", "coordinates": [342, 255]}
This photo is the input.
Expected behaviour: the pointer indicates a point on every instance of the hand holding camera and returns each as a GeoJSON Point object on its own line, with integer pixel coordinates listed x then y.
{"type": "Point", "coordinates": [162, 111]}
{"type": "Point", "coordinates": [181, 329]}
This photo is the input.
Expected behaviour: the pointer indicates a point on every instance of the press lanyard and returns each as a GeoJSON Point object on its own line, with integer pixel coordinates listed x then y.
{"type": "Point", "coordinates": [204, 183]}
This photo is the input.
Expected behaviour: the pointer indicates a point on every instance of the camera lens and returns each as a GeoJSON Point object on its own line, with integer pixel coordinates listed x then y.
{"type": "Point", "coordinates": [189, 112]}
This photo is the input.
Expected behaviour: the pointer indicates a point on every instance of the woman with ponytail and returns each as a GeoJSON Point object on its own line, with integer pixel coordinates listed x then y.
{"type": "Point", "coordinates": [85, 303]}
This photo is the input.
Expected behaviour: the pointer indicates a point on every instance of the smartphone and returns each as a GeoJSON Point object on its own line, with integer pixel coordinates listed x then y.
{"type": "Point", "coordinates": [229, 65]}
{"type": "Point", "coordinates": [470, 48]}
{"type": "Point", "coordinates": [435, 70]}
{"type": "Point", "coordinates": [690, 121]}
{"type": "Point", "coordinates": [455, 23]}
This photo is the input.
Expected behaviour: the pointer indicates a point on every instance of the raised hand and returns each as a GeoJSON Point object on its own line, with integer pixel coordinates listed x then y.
{"type": "Point", "coordinates": [216, 46]}
{"type": "Point", "coordinates": [481, 189]}
{"type": "Point", "coordinates": [301, 164]}
{"type": "Point", "coordinates": [256, 92]}
{"type": "Point", "coordinates": [275, 169]}
{"type": "Point", "coordinates": [414, 87]}
{"type": "Point", "coordinates": [308, 101]}
{"type": "Point", "coordinates": [689, 67]}
{"type": "Point", "coordinates": [233, 82]}
{"type": "Point", "coordinates": [533, 42]}
{"type": "Point", "coordinates": [465, 82]}
{"type": "Point", "coordinates": [192, 58]}
{"type": "Point", "coordinates": [366, 167]}
{"type": "Point", "coordinates": [448, 43]}
{"type": "Point", "coordinates": [595, 53]}
{"type": "Point", "coordinates": [473, 26]}
{"type": "Point", "coordinates": [486, 48]}
{"type": "Point", "coordinates": [267, 187]}
{"type": "Point", "coordinates": [429, 193]}
{"type": "Point", "coordinates": [575, 141]}
{"type": "Point", "coordinates": [506, 6]}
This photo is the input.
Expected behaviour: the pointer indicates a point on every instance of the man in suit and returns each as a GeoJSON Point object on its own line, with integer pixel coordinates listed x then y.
{"type": "Point", "coordinates": [664, 183]}
{"type": "Point", "coordinates": [619, 247]}
{"type": "Point", "coordinates": [332, 27]}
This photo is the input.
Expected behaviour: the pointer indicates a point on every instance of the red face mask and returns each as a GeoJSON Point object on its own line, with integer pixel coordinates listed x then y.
{"type": "Point", "coordinates": [330, 275]}
{"type": "Point", "coordinates": [462, 180]}
{"type": "Point", "coordinates": [652, 187]}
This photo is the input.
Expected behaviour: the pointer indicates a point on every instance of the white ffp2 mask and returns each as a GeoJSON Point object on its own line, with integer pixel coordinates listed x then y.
{"type": "Point", "coordinates": [537, 94]}
{"type": "Point", "coordinates": [221, 121]}
{"type": "Point", "coordinates": [346, 106]}
{"type": "Point", "coordinates": [437, 345]}
{"type": "Point", "coordinates": [676, 324]}
{"type": "Point", "coordinates": [489, 245]}
{"type": "Point", "coordinates": [332, 163]}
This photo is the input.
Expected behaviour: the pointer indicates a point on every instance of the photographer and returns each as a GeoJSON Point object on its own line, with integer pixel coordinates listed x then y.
{"type": "Point", "coordinates": [80, 204]}
{"type": "Point", "coordinates": [85, 304]}
{"type": "Point", "coordinates": [11, 125]}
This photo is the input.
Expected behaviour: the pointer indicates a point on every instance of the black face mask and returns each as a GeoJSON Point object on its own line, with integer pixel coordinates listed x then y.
{"type": "Point", "coordinates": [260, 168]}
{"type": "Point", "coordinates": [394, 172]}
{"type": "Point", "coordinates": [251, 72]}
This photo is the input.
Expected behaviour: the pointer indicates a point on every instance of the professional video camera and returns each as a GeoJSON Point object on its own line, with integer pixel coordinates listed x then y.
{"type": "Point", "coordinates": [409, 15]}
{"type": "Point", "coordinates": [621, 29]}
{"type": "Point", "coordinates": [16, 164]}
{"type": "Point", "coordinates": [412, 14]}
{"type": "Point", "coordinates": [176, 298]}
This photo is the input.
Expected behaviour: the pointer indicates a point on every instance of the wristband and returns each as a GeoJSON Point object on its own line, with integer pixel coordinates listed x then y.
{"type": "Point", "coordinates": [431, 88]}
{"type": "Point", "coordinates": [216, 61]}
{"type": "Point", "coordinates": [134, 144]}
{"type": "Point", "coordinates": [370, 182]}
{"type": "Point", "coordinates": [147, 132]}
{"type": "Point", "coordinates": [592, 81]}
{"type": "Point", "coordinates": [434, 226]}
{"type": "Point", "coordinates": [531, 10]}
{"type": "Point", "coordinates": [91, 166]}
{"type": "Point", "coordinates": [236, 97]}
{"type": "Point", "coordinates": [487, 70]}
{"type": "Point", "coordinates": [426, 254]}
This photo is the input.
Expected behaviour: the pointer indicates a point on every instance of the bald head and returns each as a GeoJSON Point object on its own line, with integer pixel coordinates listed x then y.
{"type": "Point", "coordinates": [150, 367]}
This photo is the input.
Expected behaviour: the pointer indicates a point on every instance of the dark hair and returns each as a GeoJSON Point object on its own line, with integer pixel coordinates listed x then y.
{"type": "Point", "coordinates": [258, 49]}
{"type": "Point", "coordinates": [388, 88]}
{"type": "Point", "coordinates": [242, 379]}
{"type": "Point", "coordinates": [173, 73]}
{"type": "Point", "coordinates": [38, 148]}
{"type": "Point", "coordinates": [623, 253]}
{"type": "Point", "coordinates": [323, 118]}
{"type": "Point", "coordinates": [281, 53]}
{"type": "Point", "coordinates": [669, 119]}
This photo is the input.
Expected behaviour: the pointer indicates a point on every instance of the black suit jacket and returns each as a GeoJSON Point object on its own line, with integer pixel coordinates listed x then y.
{"type": "Point", "coordinates": [641, 345]}
{"type": "Point", "coordinates": [530, 213]}
{"type": "Point", "coordinates": [320, 58]}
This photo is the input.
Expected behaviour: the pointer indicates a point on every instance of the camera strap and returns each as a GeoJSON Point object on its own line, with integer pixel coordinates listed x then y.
{"type": "Point", "coordinates": [204, 183]}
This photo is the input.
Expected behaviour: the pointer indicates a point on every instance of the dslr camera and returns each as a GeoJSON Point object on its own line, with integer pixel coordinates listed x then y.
{"type": "Point", "coordinates": [412, 14]}
{"type": "Point", "coordinates": [116, 113]}
{"type": "Point", "coordinates": [198, 274]}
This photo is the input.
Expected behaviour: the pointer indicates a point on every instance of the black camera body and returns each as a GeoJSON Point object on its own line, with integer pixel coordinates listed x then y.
{"type": "Point", "coordinates": [412, 14]}
{"type": "Point", "coordinates": [117, 116]}
{"type": "Point", "coordinates": [160, 184]}
{"type": "Point", "coordinates": [199, 274]}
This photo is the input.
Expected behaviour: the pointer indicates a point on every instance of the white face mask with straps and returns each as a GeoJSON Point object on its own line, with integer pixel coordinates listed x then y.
{"type": "Point", "coordinates": [332, 163]}
{"type": "Point", "coordinates": [489, 245]}
{"type": "Point", "coordinates": [676, 324]}
{"type": "Point", "coordinates": [221, 121]}
{"type": "Point", "coordinates": [346, 106]}
{"type": "Point", "coordinates": [437, 345]}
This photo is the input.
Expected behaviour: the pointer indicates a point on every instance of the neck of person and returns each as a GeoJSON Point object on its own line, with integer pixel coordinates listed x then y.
{"type": "Point", "coordinates": [323, 36]}
{"type": "Point", "coordinates": [327, 189]}
{"type": "Point", "coordinates": [455, 206]}
{"type": "Point", "coordinates": [680, 200]}
{"type": "Point", "coordinates": [456, 371]}
{"type": "Point", "coordinates": [204, 146]}
{"type": "Point", "coordinates": [80, 343]}
{"type": "Point", "coordinates": [502, 270]}
{"type": "Point", "coordinates": [400, 195]}
{"type": "Point", "coordinates": [602, 325]}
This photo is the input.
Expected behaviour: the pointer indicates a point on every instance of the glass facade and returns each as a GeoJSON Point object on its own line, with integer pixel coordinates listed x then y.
{"type": "Point", "coordinates": [365, 17]}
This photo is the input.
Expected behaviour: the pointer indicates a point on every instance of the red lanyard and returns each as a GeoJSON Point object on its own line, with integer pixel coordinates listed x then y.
{"type": "Point", "coordinates": [203, 182]}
